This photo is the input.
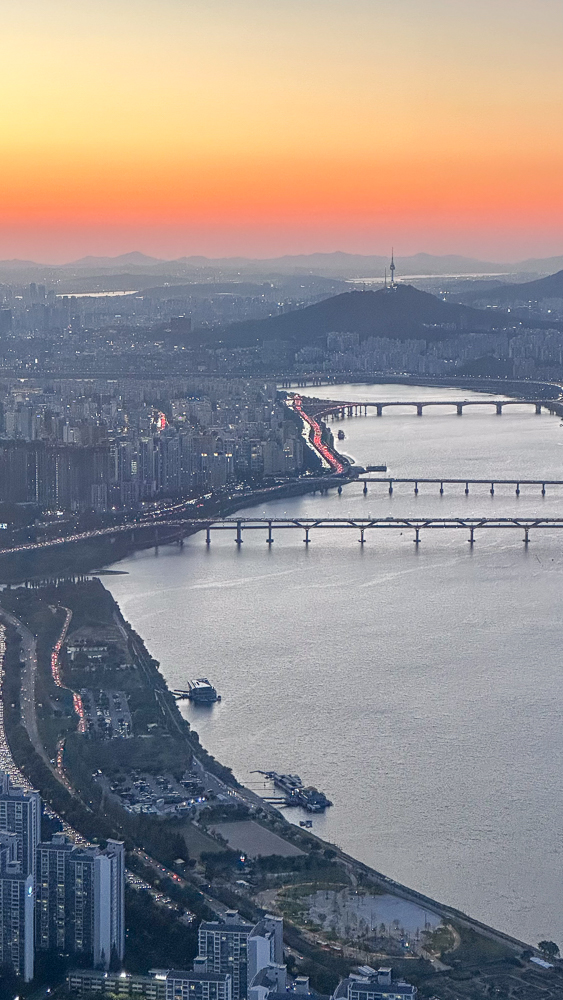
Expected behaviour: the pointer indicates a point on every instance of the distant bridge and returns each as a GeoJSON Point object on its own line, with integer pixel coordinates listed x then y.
{"type": "Point", "coordinates": [340, 410]}
{"type": "Point", "coordinates": [392, 481]}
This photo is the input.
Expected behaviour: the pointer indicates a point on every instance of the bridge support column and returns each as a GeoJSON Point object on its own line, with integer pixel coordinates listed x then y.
{"type": "Point", "coordinates": [361, 539]}
{"type": "Point", "coordinates": [543, 489]}
{"type": "Point", "coordinates": [492, 489]}
{"type": "Point", "coordinates": [208, 536]}
{"type": "Point", "coordinates": [499, 409]}
{"type": "Point", "coordinates": [181, 540]}
{"type": "Point", "coordinates": [378, 410]}
{"type": "Point", "coordinates": [419, 409]}
{"type": "Point", "coordinates": [517, 489]}
{"type": "Point", "coordinates": [467, 489]}
{"type": "Point", "coordinates": [526, 536]}
{"type": "Point", "coordinates": [538, 408]}
{"type": "Point", "coordinates": [390, 487]}
{"type": "Point", "coordinates": [417, 536]}
{"type": "Point", "coordinates": [441, 489]}
{"type": "Point", "coordinates": [460, 409]}
{"type": "Point", "coordinates": [416, 489]}
{"type": "Point", "coordinates": [339, 491]}
{"type": "Point", "coordinates": [471, 538]}
{"type": "Point", "coordinates": [270, 540]}
{"type": "Point", "coordinates": [307, 539]}
{"type": "Point", "coordinates": [155, 538]}
{"type": "Point", "coordinates": [238, 539]}
{"type": "Point", "coordinates": [365, 489]}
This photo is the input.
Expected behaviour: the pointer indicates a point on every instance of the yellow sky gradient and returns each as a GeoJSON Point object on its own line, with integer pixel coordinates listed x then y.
{"type": "Point", "coordinates": [270, 126]}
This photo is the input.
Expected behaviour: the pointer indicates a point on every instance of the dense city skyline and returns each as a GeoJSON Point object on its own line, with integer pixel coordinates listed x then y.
{"type": "Point", "coordinates": [141, 126]}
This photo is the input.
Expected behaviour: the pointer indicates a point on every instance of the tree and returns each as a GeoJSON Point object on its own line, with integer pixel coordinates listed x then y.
{"type": "Point", "coordinates": [549, 949]}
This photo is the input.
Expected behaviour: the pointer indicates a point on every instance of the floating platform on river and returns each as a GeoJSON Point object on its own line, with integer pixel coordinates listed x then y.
{"type": "Point", "coordinates": [200, 691]}
{"type": "Point", "coordinates": [295, 794]}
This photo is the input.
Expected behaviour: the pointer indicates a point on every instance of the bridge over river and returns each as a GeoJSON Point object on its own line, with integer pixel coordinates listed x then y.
{"type": "Point", "coordinates": [174, 531]}
{"type": "Point", "coordinates": [442, 481]}
{"type": "Point", "coordinates": [338, 410]}
{"type": "Point", "coordinates": [269, 525]}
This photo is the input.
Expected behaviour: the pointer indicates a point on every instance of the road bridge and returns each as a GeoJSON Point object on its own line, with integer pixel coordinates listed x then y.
{"type": "Point", "coordinates": [403, 524]}
{"type": "Point", "coordinates": [340, 410]}
{"type": "Point", "coordinates": [392, 481]}
{"type": "Point", "coordinates": [170, 532]}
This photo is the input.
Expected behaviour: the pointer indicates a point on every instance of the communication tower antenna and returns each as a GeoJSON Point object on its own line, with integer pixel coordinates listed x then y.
{"type": "Point", "coordinates": [392, 269]}
{"type": "Point", "coordinates": [385, 285]}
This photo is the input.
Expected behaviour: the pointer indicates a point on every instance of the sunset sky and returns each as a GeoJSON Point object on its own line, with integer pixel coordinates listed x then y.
{"type": "Point", "coordinates": [262, 127]}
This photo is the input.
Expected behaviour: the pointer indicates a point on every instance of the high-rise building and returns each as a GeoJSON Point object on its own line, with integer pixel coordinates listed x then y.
{"type": "Point", "coordinates": [109, 904]}
{"type": "Point", "coordinates": [198, 985]}
{"type": "Point", "coordinates": [16, 909]}
{"type": "Point", "coordinates": [20, 813]}
{"type": "Point", "coordinates": [80, 900]}
{"type": "Point", "coordinates": [223, 944]}
{"type": "Point", "coordinates": [265, 945]}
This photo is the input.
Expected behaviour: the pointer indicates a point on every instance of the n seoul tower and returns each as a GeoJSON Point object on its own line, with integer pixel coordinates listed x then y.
{"type": "Point", "coordinates": [392, 269]}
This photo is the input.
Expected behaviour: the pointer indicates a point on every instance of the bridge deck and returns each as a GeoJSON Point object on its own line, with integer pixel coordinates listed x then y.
{"type": "Point", "coordinates": [170, 531]}
{"type": "Point", "coordinates": [463, 481]}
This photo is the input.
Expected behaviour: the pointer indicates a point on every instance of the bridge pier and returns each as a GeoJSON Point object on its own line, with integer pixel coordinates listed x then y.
{"type": "Point", "coordinates": [543, 489]}
{"type": "Point", "coordinates": [339, 490]}
{"type": "Point", "coordinates": [492, 489]}
{"type": "Point", "coordinates": [471, 538]}
{"type": "Point", "coordinates": [361, 539]}
{"type": "Point", "coordinates": [441, 489]}
{"type": "Point", "coordinates": [526, 536]}
{"type": "Point", "coordinates": [390, 487]}
{"type": "Point", "coordinates": [417, 536]}
{"type": "Point", "coordinates": [517, 489]}
{"type": "Point", "coordinates": [416, 489]}
{"type": "Point", "coordinates": [270, 540]}
{"type": "Point", "coordinates": [419, 409]}
{"type": "Point", "coordinates": [378, 410]}
{"type": "Point", "coordinates": [238, 539]}
{"type": "Point", "coordinates": [306, 539]}
{"type": "Point", "coordinates": [538, 408]}
{"type": "Point", "coordinates": [208, 535]}
{"type": "Point", "coordinates": [460, 409]}
{"type": "Point", "coordinates": [499, 409]}
{"type": "Point", "coordinates": [467, 489]}
{"type": "Point", "coordinates": [365, 489]}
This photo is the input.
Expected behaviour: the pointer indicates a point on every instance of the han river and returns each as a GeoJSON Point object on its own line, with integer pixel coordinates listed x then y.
{"type": "Point", "coordinates": [420, 689]}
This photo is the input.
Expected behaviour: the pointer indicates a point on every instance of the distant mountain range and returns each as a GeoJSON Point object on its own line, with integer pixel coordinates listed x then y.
{"type": "Point", "coordinates": [403, 313]}
{"type": "Point", "coordinates": [332, 265]}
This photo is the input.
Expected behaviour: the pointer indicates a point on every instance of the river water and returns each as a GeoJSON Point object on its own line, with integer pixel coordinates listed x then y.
{"type": "Point", "coordinates": [419, 688]}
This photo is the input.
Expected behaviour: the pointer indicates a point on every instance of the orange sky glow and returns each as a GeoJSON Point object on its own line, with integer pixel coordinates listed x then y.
{"type": "Point", "coordinates": [262, 127]}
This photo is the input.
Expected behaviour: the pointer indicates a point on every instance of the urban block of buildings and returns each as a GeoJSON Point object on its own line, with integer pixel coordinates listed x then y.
{"type": "Point", "coordinates": [56, 896]}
